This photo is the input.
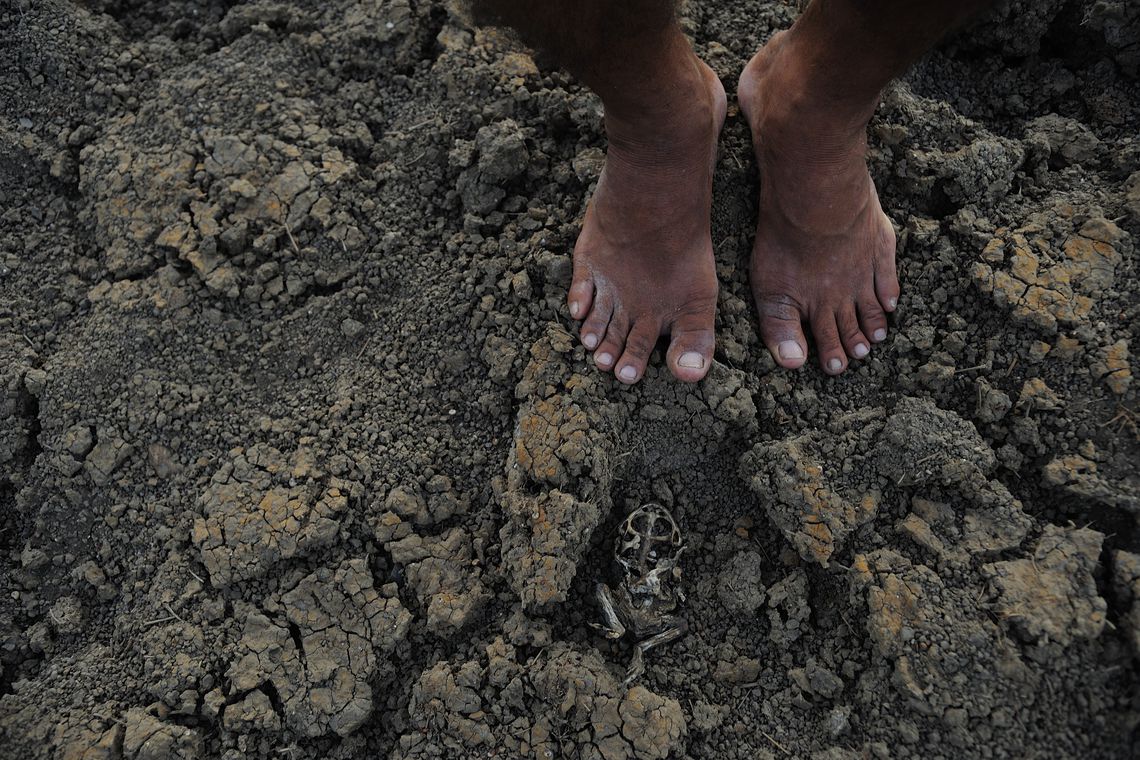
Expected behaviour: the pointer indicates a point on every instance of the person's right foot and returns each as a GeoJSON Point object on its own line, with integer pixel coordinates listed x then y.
{"type": "Point", "coordinates": [643, 263]}
{"type": "Point", "coordinates": [824, 251]}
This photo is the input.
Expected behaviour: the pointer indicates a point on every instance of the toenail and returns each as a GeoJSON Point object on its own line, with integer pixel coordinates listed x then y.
{"type": "Point", "coordinates": [691, 359]}
{"type": "Point", "coordinates": [789, 349]}
{"type": "Point", "coordinates": [893, 302]}
{"type": "Point", "coordinates": [628, 373]}
{"type": "Point", "coordinates": [590, 340]}
{"type": "Point", "coordinates": [834, 365]}
{"type": "Point", "coordinates": [880, 335]}
{"type": "Point", "coordinates": [861, 350]}
{"type": "Point", "coordinates": [575, 307]}
{"type": "Point", "coordinates": [604, 359]}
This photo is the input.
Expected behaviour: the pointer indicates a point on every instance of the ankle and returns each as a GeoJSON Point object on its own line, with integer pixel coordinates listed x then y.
{"type": "Point", "coordinates": [680, 113]}
{"type": "Point", "coordinates": [658, 79]}
{"type": "Point", "coordinates": [674, 93]}
{"type": "Point", "coordinates": [799, 91]}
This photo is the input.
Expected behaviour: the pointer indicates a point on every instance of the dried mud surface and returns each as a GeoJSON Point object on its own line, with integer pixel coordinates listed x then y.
{"type": "Point", "coordinates": [299, 456]}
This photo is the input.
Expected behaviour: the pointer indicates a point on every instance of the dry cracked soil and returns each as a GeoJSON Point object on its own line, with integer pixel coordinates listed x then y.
{"type": "Point", "coordinates": [300, 458]}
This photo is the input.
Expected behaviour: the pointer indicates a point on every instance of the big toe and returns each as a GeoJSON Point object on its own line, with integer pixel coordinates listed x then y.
{"type": "Point", "coordinates": [780, 329]}
{"type": "Point", "coordinates": [691, 347]}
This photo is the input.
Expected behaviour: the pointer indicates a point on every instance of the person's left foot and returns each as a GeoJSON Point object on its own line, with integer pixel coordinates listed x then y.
{"type": "Point", "coordinates": [824, 251]}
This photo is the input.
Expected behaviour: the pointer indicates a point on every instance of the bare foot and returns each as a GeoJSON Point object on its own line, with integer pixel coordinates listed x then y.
{"type": "Point", "coordinates": [824, 251]}
{"type": "Point", "coordinates": [643, 263]}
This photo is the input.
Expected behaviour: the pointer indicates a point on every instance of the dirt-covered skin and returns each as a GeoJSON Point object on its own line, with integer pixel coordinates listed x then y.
{"type": "Point", "coordinates": [300, 455]}
{"type": "Point", "coordinates": [644, 262]}
{"type": "Point", "coordinates": [824, 252]}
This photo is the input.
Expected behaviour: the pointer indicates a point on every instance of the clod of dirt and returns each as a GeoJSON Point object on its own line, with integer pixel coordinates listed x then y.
{"type": "Point", "coordinates": [95, 743]}
{"type": "Point", "coordinates": [523, 630]}
{"type": "Point", "coordinates": [737, 671]}
{"type": "Point", "coordinates": [499, 355]}
{"type": "Point", "coordinates": [320, 658]}
{"type": "Point", "coordinates": [556, 439]}
{"type": "Point", "coordinates": [839, 722]}
{"type": "Point", "coordinates": [407, 502]}
{"type": "Point", "coordinates": [1132, 194]}
{"type": "Point", "coordinates": [1069, 141]}
{"type": "Point", "coordinates": [728, 398]}
{"type": "Point", "coordinates": [222, 202]}
{"type": "Point", "coordinates": [106, 457]}
{"type": "Point", "coordinates": [262, 508]}
{"type": "Point", "coordinates": [1119, 22]}
{"type": "Point", "coordinates": [1113, 366]}
{"type": "Point", "coordinates": [497, 157]}
{"type": "Point", "coordinates": [1016, 27]}
{"type": "Point", "coordinates": [740, 585]}
{"type": "Point", "coordinates": [921, 443]}
{"type": "Point", "coordinates": [817, 487]}
{"type": "Point", "coordinates": [558, 473]}
{"type": "Point", "coordinates": [990, 522]}
{"type": "Point", "coordinates": [1052, 596]}
{"type": "Point", "coordinates": [564, 693]}
{"type": "Point", "coordinates": [440, 573]}
{"type": "Point", "coordinates": [992, 403]}
{"type": "Point", "coordinates": [930, 631]}
{"type": "Point", "coordinates": [708, 717]}
{"type": "Point", "coordinates": [967, 166]}
{"type": "Point", "coordinates": [817, 680]}
{"type": "Point", "coordinates": [145, 737]}
{"type": "Point", "coordinates": [67, 616]}
{"type": "Point", "coordinates": [174, 662]}
{"type": "Point", "coordinates": [134, 189]}
{"type": "Point", "coordinates": [982, 170]}
{"type": "Point", "coordinates": [588, 164]}
{"type": "Point", "coordinates": [543, 540]}
{"type": "Point", "coordinates": [78, 440]}
{"type": "Point", "coordinates": [1037, 396]}
{"type": "Point", "coordinates": [1050, 279]}
{"type": "Point", "coordinates": [240, 19]}
{"type": "Point", "coordinates": [96, 579]}
{"type": "Point", "coordinates": [1078, 475]}
{"type": "Point", "coordinates": [788, 608]}
{"type": "Point", "coordinates": [253, 713]}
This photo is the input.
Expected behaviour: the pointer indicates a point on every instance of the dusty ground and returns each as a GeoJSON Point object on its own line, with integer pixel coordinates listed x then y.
{"type": "Point", "coordinates": [299, 458]}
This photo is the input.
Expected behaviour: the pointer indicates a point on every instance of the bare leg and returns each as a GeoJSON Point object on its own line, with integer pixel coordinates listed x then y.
{"type": "Point", "coordinates": [678, 628]}
{"type": "Point", "coordinates": [611, 624]}
{"type": "Point", "coordinates": [824, 251]}
{"type": "Point", "coordinates": [643, 263]}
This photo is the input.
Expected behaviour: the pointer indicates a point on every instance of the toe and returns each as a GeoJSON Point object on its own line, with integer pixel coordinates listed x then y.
{"type": "Point", "coordinates": [872, 319]}
{"type": "Point", "coordinates": [886, 276]}
{"type": "Point", "coordinates": [581, 294]}
{"type": "Point", "coordinates": [832, 357]}
{"type": "Point", "coordinates": [593, 330]}
{"type": "Point", "coordinates": [780, 319]}
{"type": "Point", "coordinates": [854, 341]}
{"type": "Point", "coordinates": [613, 344]}
{"type": "Point", "coordinates": [691, 347]}
{"type": "Point", "coordinates": [638, 346]}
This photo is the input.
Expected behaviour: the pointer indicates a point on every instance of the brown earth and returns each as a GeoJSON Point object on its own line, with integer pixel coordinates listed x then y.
{"type": "Point", "coordinates": [299, 456]}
